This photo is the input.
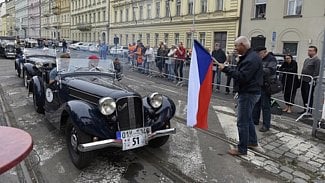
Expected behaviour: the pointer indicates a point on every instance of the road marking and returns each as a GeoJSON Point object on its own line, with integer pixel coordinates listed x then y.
{"type": "Point", "coordinates": [227, 122]}
{"type": "Point", "coordinates": [185, 152]}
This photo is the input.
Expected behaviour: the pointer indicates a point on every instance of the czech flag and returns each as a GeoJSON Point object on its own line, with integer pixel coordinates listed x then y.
{"type": "Point", "coordinates": [199, 87]}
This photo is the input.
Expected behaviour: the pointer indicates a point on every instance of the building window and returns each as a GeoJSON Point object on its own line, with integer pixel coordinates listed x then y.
{"type": "Point", "coordinates": [178, 8]}
{"type": "Point", "coordinates": [126, 39]}
{"type": "Point", "coordinates": [133, 14]}
{"type": "Point", "coordinates": [104, 15]}
{"type": "Point", "coordinates": [141, 12]}
{"type": "Point", "coordinates": [202, 38]}
{"type": "Point", "coordinates": [121, 38]}
{"type": "Point", "coordinates": [140, 37]}
{"type": "Point", "coordinates": [190, 7]}
{"type": "Point", "coordinates": [294, 7]}
{"type": "Point", "coordinates": [127, 15]}
{"type": "Point", "coordinates": [148, 11]}
{"type": "Point", "coordinates": [156, 39]}
{"type": "Point", "coordinates": [121, 15]}
{"type": "Point", "coordinates": [98, 16]}
{"type": "Point", "coordinates": [167, 9]}
{"type": "Point", "coordinates": [188, 40]}
{"type": "Point", "coordinates": [290, 48]}
{"type": "Point", "coordinates": [115, 16]}
{"type": "Point", "coordinates": [166, 38]}
{"type": "Point", "coordinates": [133, 38]}
{"type": "Point", "coordinates": [219, 5]}
{"type": "Point", "coordinates": [260, 8]}
{"type": "Point", "coordinates": [221, 38]}
{"type": "Point", "coordinates": [157, 9]}
{"type": "Point", "coordinates": [148, 39]}
{"type": "Point", "coordinates": [176, 38]}
{"type": "Point", "coordinates": [204, 6]}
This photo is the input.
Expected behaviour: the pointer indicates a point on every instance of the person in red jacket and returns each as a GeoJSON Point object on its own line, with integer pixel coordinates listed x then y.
{"type": "Point", "coordinates": [181, 56]}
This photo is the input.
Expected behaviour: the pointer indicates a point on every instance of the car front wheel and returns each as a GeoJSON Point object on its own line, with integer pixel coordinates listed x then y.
{"type": "Point", "coordinates": [36, 101]}
{"type": "Point", "coordinates": [74, 137]}
{"type": "Point", "coordinates": [26, 78]}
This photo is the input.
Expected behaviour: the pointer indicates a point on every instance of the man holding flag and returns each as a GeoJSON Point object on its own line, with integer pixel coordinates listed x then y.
{"type": "Point", "coordinates": [248, 79]}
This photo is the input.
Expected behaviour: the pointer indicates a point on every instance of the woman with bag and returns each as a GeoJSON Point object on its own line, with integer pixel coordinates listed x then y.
{"type": "Point", "coordinates": [290, 82]}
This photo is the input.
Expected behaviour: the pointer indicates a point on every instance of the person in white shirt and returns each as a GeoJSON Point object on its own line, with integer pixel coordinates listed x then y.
{"type": "Point", "coordinates": [171, 62]}
{"type": "Point", "coordinates": [150, 58]}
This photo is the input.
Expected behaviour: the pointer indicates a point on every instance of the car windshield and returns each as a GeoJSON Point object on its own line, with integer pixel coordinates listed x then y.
{"type": "Point", "coordinates": [74, 65]}
{"type": "Point", "coordinates": [38, 51]}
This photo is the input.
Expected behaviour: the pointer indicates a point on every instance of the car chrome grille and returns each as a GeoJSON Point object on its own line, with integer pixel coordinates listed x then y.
{"type": "Point", "coordinates": [130, 113]}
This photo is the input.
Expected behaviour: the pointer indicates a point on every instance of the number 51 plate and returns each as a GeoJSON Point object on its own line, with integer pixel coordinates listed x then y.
{"type": "Point", "coordinates": [134, 138]}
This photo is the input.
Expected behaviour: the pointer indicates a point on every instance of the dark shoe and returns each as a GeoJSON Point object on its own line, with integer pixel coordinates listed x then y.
{"type": "Point", "coordinates": [235, 152]}
{"type": "Point", "coordinates": [264, 129]}
{"type": "Point", "coordinates": [252, 146]}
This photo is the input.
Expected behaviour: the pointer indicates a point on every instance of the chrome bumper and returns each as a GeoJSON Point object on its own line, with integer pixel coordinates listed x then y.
{"type": "Point", "coordinates": [118, 142]}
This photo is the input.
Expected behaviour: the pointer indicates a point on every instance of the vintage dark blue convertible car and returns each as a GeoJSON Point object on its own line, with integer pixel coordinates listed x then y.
{"type": "Point", "coordinates": [33, 56]}
{"type": "Point", "coordinates": [97, 111]}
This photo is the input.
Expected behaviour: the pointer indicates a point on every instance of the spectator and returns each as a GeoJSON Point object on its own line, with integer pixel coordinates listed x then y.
{"type": "Point", "coordinates": [269, 73]}
{"type": "Point", "coordinates": [179, 63]}
{"type": "Point", "coordinates": [290, 82]}
{"type": "Point", "coordinates": [103, 50]}
{"type": "Point", "coordinates": [161, 53]}
{"type": "Point", "coordinates": [171, 62]}
{"type": "Point", "coordinates": [248, 80]}
{"type": "Point", "coordinates": [150, 58]}
{"type": "Point", "coordinates": [232, 61]}
{"type": "Point", "coordinates": [310, 67]}
{"type": "Point", "coordinates": [117, 65]}
{"type": "Point", "coordinates": [132, 55]}
{"type": "Point", "coordinates": [220, 56]}
{"type": "Point", "coordinates": [139, 52]}
{"type": "Point", "coordinates": [64, 46]}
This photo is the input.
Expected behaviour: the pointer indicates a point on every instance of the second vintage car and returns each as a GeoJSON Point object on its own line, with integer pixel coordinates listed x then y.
{"type": "Point", "coordinates": [86, 99]}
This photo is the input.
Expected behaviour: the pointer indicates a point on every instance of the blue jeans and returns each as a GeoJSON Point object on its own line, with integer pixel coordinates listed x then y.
{"type": "Point", "coordinates": [263, 104]}
{"type": "Point", "coordinates": [218, 73]}
{"type": "Point", "coordinates": [245, 125]}
{"type": "Point", "coordinates": [145, 65]}
{"type": "Point", "coordinates": [171, 73]}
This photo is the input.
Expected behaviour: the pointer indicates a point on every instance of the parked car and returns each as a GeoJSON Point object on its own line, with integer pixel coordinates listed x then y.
{"type": "Point", "coordinates": [34, 63]}
{"type": "Point", "coordinates": [10, 50]}
{"type": "Point", "coordinates": [23, 57]}
{"type": "Point", "coordinates": [119, 50]}
{"type": "Point", "coordinates": [85, 46]}
{"type": "Point", "coordinates": [97, 111]}
{"type": "Point", "coordinates": [76, 46]}
{"type": "Point", "coordinates": [94, 48]}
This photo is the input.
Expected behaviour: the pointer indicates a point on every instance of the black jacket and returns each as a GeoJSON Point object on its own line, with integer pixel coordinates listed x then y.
{"type": "Point", "coordinates": [248, 75]}
{"type": "Point", "coordinates": [269, 66]}
{"type": "Point", "coordinates": [219, 55]}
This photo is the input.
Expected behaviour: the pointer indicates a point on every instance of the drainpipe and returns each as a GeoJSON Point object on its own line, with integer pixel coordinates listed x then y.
{"type": "Point", "coordinates": [240, 17]}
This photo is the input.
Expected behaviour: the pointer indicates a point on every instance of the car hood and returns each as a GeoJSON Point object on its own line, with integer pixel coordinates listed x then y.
{"type": "Point", "coordinates": [99, 88]}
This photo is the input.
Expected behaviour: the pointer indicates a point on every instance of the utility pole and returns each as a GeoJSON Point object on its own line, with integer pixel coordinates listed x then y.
{"type": "Point", "coordinates": [193, 23]}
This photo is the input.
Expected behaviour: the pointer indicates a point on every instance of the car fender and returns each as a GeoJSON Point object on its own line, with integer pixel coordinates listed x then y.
{"type": "Point", "coordinates": [37, 87]}
{"type": "Point", "coordinates": [159, 118]}
{"type": "Point", "coordinates": [88, 119]}
{"type": "Point", "coordinates": [29, 69]}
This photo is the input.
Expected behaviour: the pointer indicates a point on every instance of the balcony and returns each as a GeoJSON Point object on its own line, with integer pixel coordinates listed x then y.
{"type": "Point", "coordinates": [84, 26]}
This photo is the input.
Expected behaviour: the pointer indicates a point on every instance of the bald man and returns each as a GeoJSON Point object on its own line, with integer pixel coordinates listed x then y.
{"type": "Point", "coordinates": [248, 79]}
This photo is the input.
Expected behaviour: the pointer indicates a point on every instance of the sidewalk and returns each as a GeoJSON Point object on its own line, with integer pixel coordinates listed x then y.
{"type": "Point", "coordinates": [287, 150]}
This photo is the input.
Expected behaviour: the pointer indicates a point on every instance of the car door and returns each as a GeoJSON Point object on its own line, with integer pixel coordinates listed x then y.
{"type": "Point", "coordinates": [52, 102]}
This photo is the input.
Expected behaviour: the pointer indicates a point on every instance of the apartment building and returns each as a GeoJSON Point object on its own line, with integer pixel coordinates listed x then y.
{"type": "Point", "coordinates": [3, 19]}
{"type": "Point", "coordinates": [33, 12]}
{"type": "Point", "coordinates": [10, 9]}
{"type": "Point", "coordinates": [65, 18]}
{"type": "Point", "coordinates": [289, 26]}
{"type": "Point", "coordinates": [172, 21]}
{"type": "Point", "coordinates": [21, 17]}
{"type": "Point", "coordinates": [89, 20]}
{"type": "Point", "coordinates": [45, 19]}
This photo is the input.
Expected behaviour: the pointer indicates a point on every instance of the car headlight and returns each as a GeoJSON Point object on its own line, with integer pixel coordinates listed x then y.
{"type": "Point", "coordinates": [39, 64]}
{"type": "Point", "coordinates": [107, 105]}
{"type": "Point", "coordinates": [155, 100]}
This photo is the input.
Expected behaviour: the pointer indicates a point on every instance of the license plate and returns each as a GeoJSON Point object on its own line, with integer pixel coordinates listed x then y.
{"type": "Point", "coordinates": [134, 138]}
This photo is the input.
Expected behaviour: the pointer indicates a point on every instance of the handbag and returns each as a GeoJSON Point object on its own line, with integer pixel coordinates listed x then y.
{"type": "Point", "coordinates": [274, 86]}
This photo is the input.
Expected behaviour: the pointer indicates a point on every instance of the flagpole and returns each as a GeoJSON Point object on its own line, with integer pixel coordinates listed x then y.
{"type": "Point", "coordinates": [193, 23]}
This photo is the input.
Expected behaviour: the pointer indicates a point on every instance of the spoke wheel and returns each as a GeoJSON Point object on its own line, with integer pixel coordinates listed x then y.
{"type": "Point", "coordinates": [38, 108]}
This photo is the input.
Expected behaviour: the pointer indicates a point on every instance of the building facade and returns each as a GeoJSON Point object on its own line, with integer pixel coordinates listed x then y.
{"type": "Point", "coordinates": [21, 23]}
{"type": "Point", "coordinates": [172, 21]}
{"type": "Point", "coordinates": [65, 18]}
{"type": "Point", "coordinates": [34, 24]}
{"type": "Point", "coordinates": [89, 20]}
{"type": "Point", "coordinates": [289, 26]}
{"type": "Point", "coordinates": [3, 19]}
{"type": "Point", "coordinates": [10, 8]}
{"type": "Point", "coordinates": [45, 19]}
